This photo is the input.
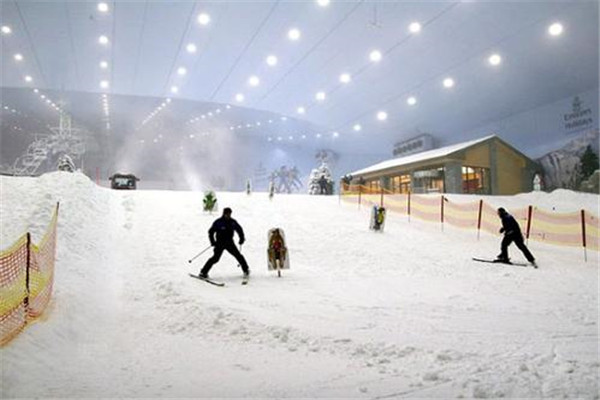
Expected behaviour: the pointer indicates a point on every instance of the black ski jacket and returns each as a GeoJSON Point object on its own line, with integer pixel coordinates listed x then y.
{"type": "Point", "coordinates": [223, 228]}
{"type": "Point", "coordinates": [510, 226]}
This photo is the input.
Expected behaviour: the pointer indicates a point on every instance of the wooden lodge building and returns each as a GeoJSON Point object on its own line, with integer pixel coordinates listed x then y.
{"type": "Point", "coordinates": [484, 166]}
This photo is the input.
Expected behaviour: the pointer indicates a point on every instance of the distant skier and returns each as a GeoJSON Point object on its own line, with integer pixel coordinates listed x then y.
{"type": "Point", "coordinates": [223, 229]}
{"type": "Point", "coordinates": [323, 184]}
{"type": "Point", "coordinates": [512, 233]}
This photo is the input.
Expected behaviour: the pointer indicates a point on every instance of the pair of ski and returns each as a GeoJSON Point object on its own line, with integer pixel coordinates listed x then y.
{"type": "Point", "coordinates": [220, 284]}
{"type": "Point", "coordinates": [501, 262]}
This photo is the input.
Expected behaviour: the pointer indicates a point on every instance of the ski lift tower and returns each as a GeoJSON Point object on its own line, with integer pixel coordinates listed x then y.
{"type": "Point", "coordinates": [64, 139]}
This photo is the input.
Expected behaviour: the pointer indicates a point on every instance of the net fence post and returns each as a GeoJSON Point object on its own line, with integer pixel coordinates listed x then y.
{"type": "Point", "coordinates": [583, 238]}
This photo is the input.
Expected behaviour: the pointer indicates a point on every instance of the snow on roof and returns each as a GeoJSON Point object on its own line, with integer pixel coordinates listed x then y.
{"type": "Point", "coordinates": [426, 155]}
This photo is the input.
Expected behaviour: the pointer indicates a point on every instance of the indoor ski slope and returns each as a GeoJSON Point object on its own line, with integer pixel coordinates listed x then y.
{"type": "Point", "coordinates": [405, 313]}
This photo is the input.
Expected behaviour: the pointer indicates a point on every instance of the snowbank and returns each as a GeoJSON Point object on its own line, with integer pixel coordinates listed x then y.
{"type": "Point", "coordinates": [403, 313]}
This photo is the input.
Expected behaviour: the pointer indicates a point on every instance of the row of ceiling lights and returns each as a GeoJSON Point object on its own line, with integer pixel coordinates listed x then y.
{"type": "Point", "coordinates": [375, 56]}
{"type": "Point", "coordinates": [209, 114]}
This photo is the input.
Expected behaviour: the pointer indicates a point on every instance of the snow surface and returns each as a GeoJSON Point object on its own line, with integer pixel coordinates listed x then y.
{"type": "Point", "coordinates": [404, 313]}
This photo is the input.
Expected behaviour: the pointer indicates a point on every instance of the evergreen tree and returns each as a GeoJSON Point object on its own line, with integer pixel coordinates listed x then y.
{"type": "Point", "coordinates": [589, 163]}
{"type": "Point", "coordinates": [210, 201]}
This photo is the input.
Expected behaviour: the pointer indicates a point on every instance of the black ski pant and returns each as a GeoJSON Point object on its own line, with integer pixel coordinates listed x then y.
{"type": "Point", "coordinates": [218, 251]}
{"type": "Point", "coordinates": [518, 239]}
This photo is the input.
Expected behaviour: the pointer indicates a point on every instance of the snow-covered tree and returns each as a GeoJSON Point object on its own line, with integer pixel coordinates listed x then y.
{"type": "Point", "coordinates": [320, 180]}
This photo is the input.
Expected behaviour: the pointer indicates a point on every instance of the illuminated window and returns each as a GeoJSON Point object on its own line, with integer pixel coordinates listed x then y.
{"type": "Point", "coordinates": [475, 180]}
{"type": "Point", "coordinates": [400, 184]}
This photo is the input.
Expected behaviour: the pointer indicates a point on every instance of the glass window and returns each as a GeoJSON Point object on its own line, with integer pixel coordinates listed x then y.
{"type": "Point", "coordinates": [475, 180]}
{"type": "Point", "coordinates": [429, 181]}
{"type": "Point", "coordinates": [400, 184]}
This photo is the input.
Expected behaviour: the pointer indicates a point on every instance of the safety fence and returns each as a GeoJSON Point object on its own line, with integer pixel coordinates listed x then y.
{"type": "Point", "coordinates": [26, 280]}
{"type": "Point", "coordinates": [579, 228]}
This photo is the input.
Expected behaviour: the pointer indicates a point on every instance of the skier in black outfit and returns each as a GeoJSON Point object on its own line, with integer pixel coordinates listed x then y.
{"type": "Point", "coordinates": [223, 228]}
{"type": "Point", "coordinates": [323, 184]}
{"type": "Point", "coordinates": [512, 233]}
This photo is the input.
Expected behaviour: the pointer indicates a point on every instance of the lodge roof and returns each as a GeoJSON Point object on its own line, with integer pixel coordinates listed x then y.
{"type": "Point", "coordinates": [424, 156]}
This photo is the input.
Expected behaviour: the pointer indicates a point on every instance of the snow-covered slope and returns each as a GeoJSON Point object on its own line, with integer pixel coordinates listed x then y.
{"type": "Point", "coordinates": [403, 313]}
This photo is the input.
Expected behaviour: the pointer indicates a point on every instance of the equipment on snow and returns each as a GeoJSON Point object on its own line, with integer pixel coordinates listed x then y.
{"type": "Point", "coordinates": [377, 219]}
{"type": "Point", "coordinates": [123, 181]}
{"type": "Point", "coordinates": [65, 163]}
{"type": "Point", "coordinates": [208, 280]}
{"type": "Point", "coordinates": [210, 201]}
{"type": "Point", "coordinates": [248, 187]}
{"type": "Point", "coordinates": [277, 252]}
{"type": "Point", "coordinates": [271, 190]}
{"type": "Point", "coordinates": [502, 262]}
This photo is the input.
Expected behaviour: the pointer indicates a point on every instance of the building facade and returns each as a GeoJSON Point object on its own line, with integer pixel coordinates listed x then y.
{"type": "Point", "coordinates": [484, 166]}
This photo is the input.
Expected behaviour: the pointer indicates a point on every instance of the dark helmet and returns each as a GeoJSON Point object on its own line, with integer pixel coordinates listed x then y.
{"type": "Point", "coordinates": [501, 211]}
{"type": "Point", "coordinates": [227, 211]}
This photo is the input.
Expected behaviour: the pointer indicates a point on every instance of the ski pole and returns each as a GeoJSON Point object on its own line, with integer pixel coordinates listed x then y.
{"type": "Point", "coordinates": [199, 254]}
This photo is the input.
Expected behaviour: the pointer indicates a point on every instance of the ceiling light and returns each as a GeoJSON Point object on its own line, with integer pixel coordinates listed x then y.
{"type": "Point", "coordinates": [270, 139]}
{"type": "Point", "coordinates": [239, 97]}
{"type": "Point", "coordinates": [284, 118]}
{"type": "Point", "coordinates": [35, 90]}
{"type": "Point", "coordinates": [336, 134]}
{"type": "Point", "coordinates": [253, 80]}
{"type": "Point", "coordinates": [174, 89]}
{"type": "Point", "coordinates": [375, 56]}
{"type": "Point", "coordinates": [414, 27]}
{"type": "Point", "coordinates": [203, 19]}
{"type": "Point", "coordinates": [345, 78]}
{"type": "Point", "coordinates": [303, 136]}
{"type": "Point", "coordinates": [357, 127]}
{"type": "Point", "coordinates": [294, 34]}
{"type": "Point", "coordinates": [448, 82]}
{"type": "Point", "coordinates": [104, 84]}
{"type": "Point", "coordinates": [301, 110]}
{"type": "Point", "coordinates": [320, 96]}
{"type": "Point", "coordinates": [42, 96]}
{"type": "Point", "coordinates": [181, 71]}
{"type": "Point", "coordinates": [555, 29]}
{"type": "Point", "coordinates": [382, 115]}
{"type": "Point", "coordinates": [103, 64]}
{"type": "Point", "coordinates": [279, 138]}
{"type": "Point", "coordinates": [495, 59]}
{"type": "Point", "coordinates": [218, 110]}
{"type": "Point", "coordinates": [6, 30]}
{"type": "Point", "coordinates": [168, 100]}
{"type": "Point", "coordinates": [291, 137]}
{"type": "Point", "coordinates": [18, 57]}
{"type": "Point", "coordinates": [318, 135]}
{"type": "Point", "coordinates": [28, 78]}
{"type": "Point", "coordinates": [191, 48]}
{"type": "Point", "coordinates": [411, 101]}
{"type": "Point", "coordinates": [102, 7]}
{"type": "Point", "coordinates": [103, 40]}
{"type": "Point", "coordinates": [272, 60]}
{"type": "Point", "coordinates": [323, 3]}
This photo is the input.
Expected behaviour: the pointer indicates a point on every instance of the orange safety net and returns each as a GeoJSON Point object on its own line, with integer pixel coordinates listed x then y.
{"type": "Point", "coordinates": [26, 279]}
{"type": "Point", "coordinates": [580, 228]}
{"type": "Point", "coordinates": [41, 271]}
{"type": "Point", "coordinates": [13, 289]}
